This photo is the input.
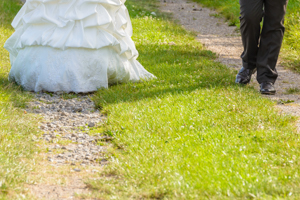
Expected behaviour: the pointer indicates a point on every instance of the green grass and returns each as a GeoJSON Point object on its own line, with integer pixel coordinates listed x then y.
{"type": "Point", "coordinates": [230, 9]}
{"type": "Point", "coordinates": [292, 90]}
{"type": "Point", "coordinates": [189, 134]}
{"type": "Point", "coordinates": [291, 47]}
{"type": "Point", "coordinates": [192, 133]}
{"type": "Point", "coordinates": [16, 128]}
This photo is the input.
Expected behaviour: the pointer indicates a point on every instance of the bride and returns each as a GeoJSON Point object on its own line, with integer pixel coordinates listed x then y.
{"type": "Point", "coordinates": [73, 46]}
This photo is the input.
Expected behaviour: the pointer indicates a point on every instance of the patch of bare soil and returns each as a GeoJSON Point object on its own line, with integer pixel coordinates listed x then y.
{"type": "Point", "coordinates": [70, 150]}
{"type": "Point", "coordinates": [60, 182]}
{"type": "Point", "coordinates": [57, 186]}
{"type": "Point", "coordinates": [216, 35]}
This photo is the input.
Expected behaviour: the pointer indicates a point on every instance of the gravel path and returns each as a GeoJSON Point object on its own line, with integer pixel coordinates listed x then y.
{"type": "Point", "coordinates": [67, 137]}
{"type": "Point", "coordinates": [73, 154]}
{"type": "Point", "coordinates": [215, 34]}
{"type": "Point", "coordinates": [69, 122]}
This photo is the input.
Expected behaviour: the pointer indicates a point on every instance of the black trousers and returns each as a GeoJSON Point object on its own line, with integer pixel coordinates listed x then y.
{"type": "Point", "coordinates": [262, 46]}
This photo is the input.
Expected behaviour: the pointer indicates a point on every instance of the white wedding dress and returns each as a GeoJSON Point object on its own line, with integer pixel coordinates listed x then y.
{"type": "Point", "coordinates": [73, 46]}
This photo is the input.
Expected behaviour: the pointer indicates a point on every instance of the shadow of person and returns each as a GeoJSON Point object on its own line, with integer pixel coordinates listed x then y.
{"type": "Point", "coordinates": [178, 68]}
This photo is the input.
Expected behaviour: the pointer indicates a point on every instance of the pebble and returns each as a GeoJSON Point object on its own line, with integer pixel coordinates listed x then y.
{"type": "Point", "coordinates": [69, 120]}
{"type": "Point", "coordinates": [91, 124]}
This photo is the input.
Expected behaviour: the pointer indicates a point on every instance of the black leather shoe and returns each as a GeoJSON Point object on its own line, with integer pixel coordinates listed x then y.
{"type": "Point", "coordinates": [244, 75]}
{"type": "Point", "coordinates": [267, 88]}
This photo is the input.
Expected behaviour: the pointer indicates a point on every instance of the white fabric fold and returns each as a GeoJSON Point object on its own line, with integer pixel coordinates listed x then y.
{"type": "Point", "coordinates": [73, 46]}
{"type": "Point", "coordinates": [73, 24]}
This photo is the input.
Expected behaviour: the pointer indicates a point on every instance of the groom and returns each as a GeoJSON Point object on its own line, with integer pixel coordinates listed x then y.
{"type": "Point", "coordinates": [261, 47]}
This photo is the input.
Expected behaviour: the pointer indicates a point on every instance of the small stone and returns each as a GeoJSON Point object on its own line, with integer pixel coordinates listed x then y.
{"type": "Point", "coordinates": [89, 158]}
{"type": "Point", "coordinates": [64, 114]}
{"type": "Point", "coordinates": [77, 170]}
{"type": "Point", "coordinates": [70, 155]}
{"type": "Point", "coordinates": [91, 124]}
{"type": "Point", "coordinates": [73, 135]}
{"type": "Point", "coordinates": [77, 109]}
{"type": "Point", "coordinates": [94, 152]}
{"type": "Point", "coordinates": [195, 9]}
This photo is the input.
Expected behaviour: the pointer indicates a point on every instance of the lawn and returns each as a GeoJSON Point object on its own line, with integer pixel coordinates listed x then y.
{"type": "Point", "coordinates": [192, 133]}
{"type": "Point", "coordinates": [189, 134]}
{"type": "Point", "coordinates": [291, 47]}
{"type": "Point", "coordinates": [17, 129]}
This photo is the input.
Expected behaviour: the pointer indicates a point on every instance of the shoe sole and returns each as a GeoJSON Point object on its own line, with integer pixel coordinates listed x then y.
{"type": "Point", "coordinates": [239, 83]}
{"type": "Point", "coordinates": [268, 93]}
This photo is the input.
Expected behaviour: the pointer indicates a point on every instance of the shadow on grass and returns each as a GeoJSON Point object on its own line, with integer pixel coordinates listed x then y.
{"type": "Point", "coordinates": [179, 69]}
{"type": "Point", "coordinates": [141, 8]}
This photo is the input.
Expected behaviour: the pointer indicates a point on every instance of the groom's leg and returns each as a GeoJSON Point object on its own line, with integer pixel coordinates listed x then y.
{"type": "Point", "coordinates": [251, 16]}
{"type": "Point", "coordinates": [271, 40]}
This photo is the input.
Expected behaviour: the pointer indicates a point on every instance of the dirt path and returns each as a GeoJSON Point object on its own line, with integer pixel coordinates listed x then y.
{"type": "Point", "coordinates": [215, 34]}
{"type": "Point", "coordinates": [70, 153]}
{"type": "Point", "coordinates": [70, 146]}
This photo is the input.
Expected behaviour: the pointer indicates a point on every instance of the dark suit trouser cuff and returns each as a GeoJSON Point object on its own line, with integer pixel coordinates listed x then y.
{"type": "Point", "coordinates": [262, 47]}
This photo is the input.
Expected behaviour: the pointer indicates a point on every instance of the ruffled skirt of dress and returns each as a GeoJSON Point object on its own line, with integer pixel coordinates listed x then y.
{"type": "Point", "coordinates": [73, 46]}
